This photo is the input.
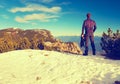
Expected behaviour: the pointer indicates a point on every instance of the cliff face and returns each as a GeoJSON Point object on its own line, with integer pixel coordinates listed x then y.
{"type": "Point", "coordinates": [15, 39]}
{"type": "Point", "coordinates": [70, 47]}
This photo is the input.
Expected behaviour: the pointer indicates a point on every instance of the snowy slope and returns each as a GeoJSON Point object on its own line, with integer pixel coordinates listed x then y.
{"type": "Point", "coordinates": [50, 67]}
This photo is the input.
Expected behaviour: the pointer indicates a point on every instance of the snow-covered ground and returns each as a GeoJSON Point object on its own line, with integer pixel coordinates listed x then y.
{"type": "Point", "coordinates": [50, 67]}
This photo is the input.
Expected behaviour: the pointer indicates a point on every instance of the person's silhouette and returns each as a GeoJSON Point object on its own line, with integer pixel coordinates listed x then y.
{"type": "Point", "coordinates": [89, 26]}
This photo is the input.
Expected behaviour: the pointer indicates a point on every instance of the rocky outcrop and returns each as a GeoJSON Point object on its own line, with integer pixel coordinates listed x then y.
{"type": "Point", "coordinates": [14, 39]}
{"type": "Point", "coordinates": [30, 34]}
{"type": "Point", "coordinates": [70, 47]}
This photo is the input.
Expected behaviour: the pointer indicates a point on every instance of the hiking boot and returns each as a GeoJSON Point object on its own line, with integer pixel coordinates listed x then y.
{"type": "Point", "coordinates": [85, 54]}
{"type": "Point", "coordinates": [86, 51]}
{"type": "Point", "coordinates": [94, 53]}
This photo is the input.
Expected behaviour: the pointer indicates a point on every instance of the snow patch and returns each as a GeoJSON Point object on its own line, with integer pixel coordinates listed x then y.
{"type": "Point", "coordinates": [50, 67]}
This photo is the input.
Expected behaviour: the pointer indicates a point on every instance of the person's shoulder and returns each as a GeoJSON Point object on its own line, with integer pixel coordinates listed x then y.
{"type": "Point", "coordinates": [92, 20]}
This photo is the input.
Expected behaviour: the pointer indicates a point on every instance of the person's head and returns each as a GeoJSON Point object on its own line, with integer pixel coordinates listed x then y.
{"type": "Point", "coordinates": [88, 15]}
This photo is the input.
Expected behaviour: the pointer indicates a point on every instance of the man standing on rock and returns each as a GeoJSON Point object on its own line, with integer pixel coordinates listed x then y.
{"type": "Point", "coordinates": [89, 26]}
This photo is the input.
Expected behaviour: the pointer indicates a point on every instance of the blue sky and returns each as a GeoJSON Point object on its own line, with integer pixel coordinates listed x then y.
{"type": "Point", "coordinates": [61, 17]}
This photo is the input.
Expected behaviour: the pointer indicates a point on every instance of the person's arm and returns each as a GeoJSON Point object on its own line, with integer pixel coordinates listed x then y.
{"type": "Point", "coordinates": [95, 27]}
{"type": "Point", "coordinates": [83, 27]}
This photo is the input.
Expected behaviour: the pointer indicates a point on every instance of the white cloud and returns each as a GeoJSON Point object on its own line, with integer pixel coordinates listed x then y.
{"type": "Point", "coordinates": [34, 7]}
{"type": "Point", "coordinates": [21, 20]}
{"type": "Point", "coordinates": [40, 17]}
{"type": "Point", "coordinates": [37, 12]}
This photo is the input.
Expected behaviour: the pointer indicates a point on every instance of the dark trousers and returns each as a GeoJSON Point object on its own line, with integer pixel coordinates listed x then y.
{"type": "Point", "coordinates": [91, 37]}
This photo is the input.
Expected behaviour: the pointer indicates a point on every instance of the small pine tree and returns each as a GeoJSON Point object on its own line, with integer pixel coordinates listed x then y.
{"type": "Point", "coordinates": [110, 43]}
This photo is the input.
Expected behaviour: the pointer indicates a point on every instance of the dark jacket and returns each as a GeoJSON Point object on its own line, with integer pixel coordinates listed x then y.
{"type": "Point", "coordinates": [82, 42]}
